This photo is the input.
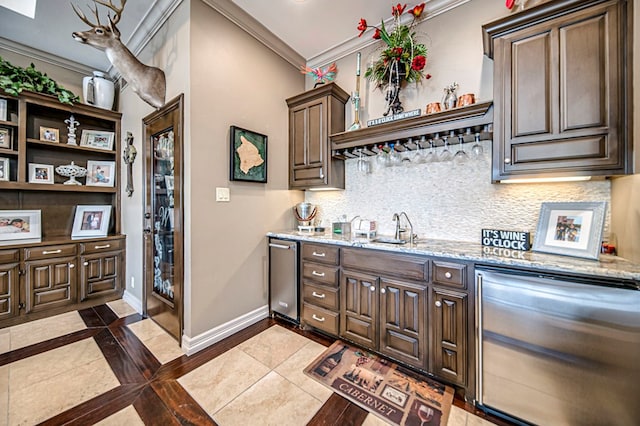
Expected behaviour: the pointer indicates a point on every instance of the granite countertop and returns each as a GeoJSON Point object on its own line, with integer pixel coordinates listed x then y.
{"type": "Point", "coordinates": [606, 266]}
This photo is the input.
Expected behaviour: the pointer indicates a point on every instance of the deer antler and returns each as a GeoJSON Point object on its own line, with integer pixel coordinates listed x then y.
{"type": "Point", "coordinates": [110, 5]}
{"type": "Point", "coordinates": [84, 18]}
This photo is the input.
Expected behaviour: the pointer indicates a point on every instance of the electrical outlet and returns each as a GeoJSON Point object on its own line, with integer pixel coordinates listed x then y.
{"type": "Point", "coordinates": [222, 194]}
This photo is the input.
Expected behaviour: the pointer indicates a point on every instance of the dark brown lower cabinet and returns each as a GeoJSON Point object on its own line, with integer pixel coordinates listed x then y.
{"type": "Point", "coordinates": [50, 283]}
{"type": "Point", "coordinates": [9, 277]}
{"type": "Point", "coordinates": [450, 340]}
{"type": "Point", "coordinates": [359, 308]}
{"type": "Point", "coordinates": [100, 274]}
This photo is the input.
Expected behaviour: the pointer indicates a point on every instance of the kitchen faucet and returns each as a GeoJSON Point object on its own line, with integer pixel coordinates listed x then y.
{"type": "Point", "coordinates": [399, 229]}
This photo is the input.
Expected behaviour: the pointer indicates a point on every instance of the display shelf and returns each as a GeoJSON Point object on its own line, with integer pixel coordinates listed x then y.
{"type": "Point", "coordinates": [25, 186]}
{"type": "Point", "coordinates": [63, 146]}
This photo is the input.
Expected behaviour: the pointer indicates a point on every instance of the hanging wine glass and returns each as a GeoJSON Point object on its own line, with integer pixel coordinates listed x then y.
{"type": "Point", "coordinates": [461, 156]}
{"type": "Point", "coordinates": [382, 158]}
{"type": "Point", "coordinates": [446, 155]}
{"type": "Point", "coordinates": [394, 156]}
{"type": "Point", "coordinates": [431, 156]}
{"type": "Point", "coordinates": [420, 155]}
{"type": "Point", "coordinates": [476, 149]}
{"type": "Point", "coordinates": [363, 163]}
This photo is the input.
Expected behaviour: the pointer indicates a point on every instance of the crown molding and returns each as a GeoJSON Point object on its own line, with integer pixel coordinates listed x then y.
{"type": "Point", "coordinates": [432, 9]}
{"type": "Point", "coordinates": [249, 24]}
{"type": "Point", "coordinates": [46, 57]}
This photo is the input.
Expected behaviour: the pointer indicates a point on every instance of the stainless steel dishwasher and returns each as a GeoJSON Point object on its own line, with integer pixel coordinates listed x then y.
{"type": "Point", "coordinates": [558, 350]}
{"type": "Point", "coordinates": [283, 278]}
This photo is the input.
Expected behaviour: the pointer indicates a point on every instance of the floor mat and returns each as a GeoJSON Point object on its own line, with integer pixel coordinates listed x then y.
{"type": "Point", "coordinates": [391, 392]}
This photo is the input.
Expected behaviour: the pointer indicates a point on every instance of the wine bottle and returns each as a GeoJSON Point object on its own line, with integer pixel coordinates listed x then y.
{"type": "Point", "coordinates": [330, 362]}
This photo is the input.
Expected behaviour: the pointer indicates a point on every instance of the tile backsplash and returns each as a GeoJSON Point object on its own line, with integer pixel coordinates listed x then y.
{"type": "Point", "coordinates": [446, 200]}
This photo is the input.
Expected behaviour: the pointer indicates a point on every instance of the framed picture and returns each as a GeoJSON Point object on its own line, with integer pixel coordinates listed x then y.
{"type": "Point", "coordinates": [571, 229]}
{"type": "Point", "coordinates": [40, 173]}
{"type": "Point", "coordinates": [4, 169]}
{"type": "Point", "coordinates": [20, 225]}
{"type": "Point", "coordinates": [97, 139]}
{"type": "Point", "coordinates": [5, 138]}
{"type": "Point", "coordinates": [49, 134]}
{"type": "Point", "coordinates": [248, 155]}
{"type": "Point", "coordinates": [101, 173]}
{"type": "Point", "coordinates": [91, 221]}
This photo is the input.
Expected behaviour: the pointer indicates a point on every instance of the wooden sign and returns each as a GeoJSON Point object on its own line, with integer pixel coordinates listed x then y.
{"type": "Point", "coordinates": [514, 240]}
{"type": "Point", "coordinates": [395, 117]}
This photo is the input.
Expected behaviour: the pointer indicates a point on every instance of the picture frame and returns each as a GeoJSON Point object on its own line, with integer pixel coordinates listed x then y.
{"type": "Point", "coordinates": [101, 173]}
{"type": "Point", "coordinates": [5, 137]}
{"type": "Point", "coordinates": [41, 173]}
{"type": "Point", "coordinates": [571, 229]}
{"type": "Point", "coordinates": [98, 139]}
{"type": "Point", "coordinates": [22, 225]}
{"type": "Point", "coordinates": [248, 155]}
{"type": "Point", "coordinates": [49, 134]}
{"type": "Point", "coordinates": [91, 221]}
{"type": "Point", "coordinates": [4, 169]}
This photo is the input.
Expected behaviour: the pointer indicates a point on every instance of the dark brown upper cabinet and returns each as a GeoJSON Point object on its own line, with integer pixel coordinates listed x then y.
{"type": "Point", "coordinates": [562, 90]}
{"type": "Point", "coordinates": [313, 116]}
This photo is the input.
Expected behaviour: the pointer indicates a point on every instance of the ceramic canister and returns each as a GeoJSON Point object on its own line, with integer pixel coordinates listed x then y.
{"type": "Point", "coordinates": [98, 90]}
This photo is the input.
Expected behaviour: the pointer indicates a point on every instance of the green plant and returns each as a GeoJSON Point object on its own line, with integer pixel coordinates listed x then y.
{"type": "Point", "coordinates": [401, 58]}
{"type": "Point", "coordinates": [15, 79]}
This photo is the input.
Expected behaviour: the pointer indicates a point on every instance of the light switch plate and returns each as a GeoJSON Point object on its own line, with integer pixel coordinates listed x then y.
{"type": "Point", "coordinates": [222, 194]}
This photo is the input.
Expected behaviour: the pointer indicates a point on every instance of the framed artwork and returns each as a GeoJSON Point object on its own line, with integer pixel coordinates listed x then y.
{"type": "Point", "coordinates": [20, 225]}
{"type": "Point", "coordinates": [4, 169]}
{"type": "Point", "coordinates": [40, 173]}
{"type": "Point", "coordinates": [248, 155]}
{"type": "Point", "coordinates": [91, 221]}
{"type": "Point", "coordinates": [101, 173]}
{"type": "Point", "coordinates": [5, 138]}
{"type": "Point", "coordinates": [571, 229]}
{"type": "Point", "coordinates": [97, 139]}
{"type": "Point", "coordinates": [49, 134]}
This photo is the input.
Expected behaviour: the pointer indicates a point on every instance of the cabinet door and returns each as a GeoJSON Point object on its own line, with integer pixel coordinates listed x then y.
{"type": "Point", "coordinates": [8, 290]}
{"type": "Point", "coordinates": [558, 87]}
{"type": "Point", "coordinates": [403, 322]}
{"type": "Point", "coordinates": [100, 274]}
{"type": "Point", "coordinates": [50, 283]}
{"type": "Point", "coordinates": [359, 308]}
{"type": "Point", "coordinates": [450, 340]}
{"type": "Point", "coordinates": [308, 143]}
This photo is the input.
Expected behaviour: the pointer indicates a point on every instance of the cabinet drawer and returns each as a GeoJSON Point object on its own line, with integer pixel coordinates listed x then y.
{"type": "Point", "coordinates": [9, 256]}
{"type": "Point", "coordinates": [324, 274]}
{"type": "Point", "coordinates": [320, 253]}
{"type": "Point", "coordinates": [453, 274]}
{"type": "Point", "coordinates": [33, 253]}
{"type": "Point", "coordinates": [321, 295]}
{"type": "Point", "coordinates": [387, 264]}
{"type": "Point", "coordinates": [319, 318]}
{"type": "Point", "coordinates": [100, 246]}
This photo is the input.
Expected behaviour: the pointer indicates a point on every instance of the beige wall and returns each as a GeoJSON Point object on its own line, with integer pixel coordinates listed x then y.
{"type": "Point", "coordinates": [235, 80]}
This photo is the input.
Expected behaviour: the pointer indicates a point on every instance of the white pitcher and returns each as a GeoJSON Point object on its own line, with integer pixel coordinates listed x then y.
{"type": "Point", "coordinates": [98, 90]}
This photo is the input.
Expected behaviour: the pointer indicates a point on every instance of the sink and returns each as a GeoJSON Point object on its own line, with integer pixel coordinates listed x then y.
{"type": "Point", "coordinates": [389, 240]}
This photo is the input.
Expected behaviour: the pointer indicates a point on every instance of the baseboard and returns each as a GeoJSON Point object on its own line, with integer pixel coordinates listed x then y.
{"type": "Point", "coordinates": [133, 301]}
{"type": "Point", "coordinates": [191, 345]}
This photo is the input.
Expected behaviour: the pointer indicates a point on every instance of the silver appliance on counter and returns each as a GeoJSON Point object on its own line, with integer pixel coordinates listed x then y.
{"type": "Point", "coordinates": [283, 278]}
{"type": "Point", "coordinates": [555, 350]}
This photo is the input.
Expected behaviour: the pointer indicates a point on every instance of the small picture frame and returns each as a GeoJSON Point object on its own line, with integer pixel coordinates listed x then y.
{"type": "Point", "coordinates": [248, 155]}
{"type": "Point", "coordinates": [5, 138]}
{"type": "Point", "coordinates": [101, 173]}
{"type": "Point", "coordinates": [571, 229]}
{"type": "Point", "coordinates": [4, 169]}
{"type": "Point", "coordinates": [23, 225]}
{"type": "Point", "coordinates": [49, 134]}
{"type": "Point", "coordinates": [91, 221]}
{"type": "Point", "coordinates": [3, 110]}
{"type": "Point", "coordinates": [41, 173]}
{"type": "Point", "coordinates": [98, 139]}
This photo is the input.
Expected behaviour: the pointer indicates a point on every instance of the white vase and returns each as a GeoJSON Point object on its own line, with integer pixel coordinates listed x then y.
{"type": "Point", "coordinates": [98, 90]}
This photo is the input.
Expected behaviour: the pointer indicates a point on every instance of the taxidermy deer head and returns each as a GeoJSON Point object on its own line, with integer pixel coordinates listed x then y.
{"type": "Point", "coordinates": [148, 82]}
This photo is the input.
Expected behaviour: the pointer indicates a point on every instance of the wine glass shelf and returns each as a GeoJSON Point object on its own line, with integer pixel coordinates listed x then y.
{"type": "Point", "coordinates": [406, 134]}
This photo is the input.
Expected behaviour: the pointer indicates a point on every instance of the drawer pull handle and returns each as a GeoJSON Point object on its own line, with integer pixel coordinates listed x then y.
{"type": "Point", "coordinates": [448, 275]}
{"type": "Point", "coordinates": [86, 263]}
{"type": "Point", "coordinates": [52, 251]}
{"type": "Point", "coordinates": [318, 295]}
{"type": "Point", "coordinates": [383, 291]}
{"type": "Point", "coordinates": [372, 288]}
{"type": "Point", "coordinates": [438, 303]}
{"type": "Point", "coordinates": [317, 274]}
{"type": "Point", "coordinates": [317, 318]}
{"type": "Point", "coordinates": [102, 246]}
{"type": "Point", "coordinates": [71, 266]}
{"type": "Point", "coordinates": [316, 254]}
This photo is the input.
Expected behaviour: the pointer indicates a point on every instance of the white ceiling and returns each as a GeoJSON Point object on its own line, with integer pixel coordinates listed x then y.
{"type": "Point", "coordinates": [312, 28]}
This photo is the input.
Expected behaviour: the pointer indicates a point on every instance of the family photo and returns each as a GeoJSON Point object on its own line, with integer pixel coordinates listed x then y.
{"type": "Point", "coordinates": [13, 225]}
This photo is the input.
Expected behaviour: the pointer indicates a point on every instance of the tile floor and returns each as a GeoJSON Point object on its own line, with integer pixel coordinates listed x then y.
{"type": "Point", "coordinates": [52, 369]}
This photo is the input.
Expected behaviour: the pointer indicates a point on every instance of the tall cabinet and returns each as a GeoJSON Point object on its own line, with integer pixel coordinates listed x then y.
{"type": "Point", "coordinates": [53, 272]}
{"type": "Point", "coordinates": [562, 80]}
